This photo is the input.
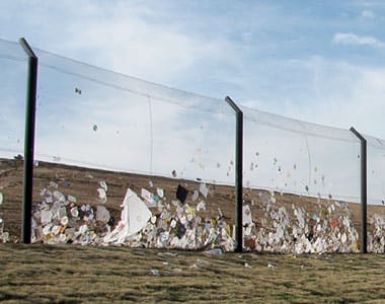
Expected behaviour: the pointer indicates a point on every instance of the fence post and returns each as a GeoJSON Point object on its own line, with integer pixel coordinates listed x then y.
{"type": "Point", "coordinates": [238, 175]}
{"type": "Point", "coordinates": [364, 190]}
{"type": "Point", "coordinates": [29, 141]}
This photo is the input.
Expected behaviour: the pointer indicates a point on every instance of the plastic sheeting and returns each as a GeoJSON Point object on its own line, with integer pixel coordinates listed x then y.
{"type": "Point", "coordinates": [134, 217]}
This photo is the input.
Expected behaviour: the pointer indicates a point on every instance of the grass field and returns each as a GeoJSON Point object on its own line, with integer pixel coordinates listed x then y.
{"type": "Point", "coordinates": [69, 274]}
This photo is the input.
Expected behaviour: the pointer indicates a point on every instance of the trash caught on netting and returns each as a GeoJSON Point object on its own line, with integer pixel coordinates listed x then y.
{"type": "Point", "coordinates": [4, 235]}
{"type": "Point", "coordinates": [327, 227]}
{"type": "Point", "coordinates": [59, 218]}
{"type": "Point", "coordinates": [376, 234]}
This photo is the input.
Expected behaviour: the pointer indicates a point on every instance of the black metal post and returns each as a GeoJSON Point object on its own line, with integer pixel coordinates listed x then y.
{"type": "Point", "coordinates": [29, 141]}
{"type": "Point", "coordinates": [238, 175]}
{"type": "Point", "coordinates": [364, 191]}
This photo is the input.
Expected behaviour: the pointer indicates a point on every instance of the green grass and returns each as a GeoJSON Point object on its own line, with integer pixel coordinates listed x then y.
{"type": "Point", "coordinates": [70, 274]}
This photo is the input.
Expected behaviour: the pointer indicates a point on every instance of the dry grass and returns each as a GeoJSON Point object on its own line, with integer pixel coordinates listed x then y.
{"type": "Point", "coordinates": [69, 274]}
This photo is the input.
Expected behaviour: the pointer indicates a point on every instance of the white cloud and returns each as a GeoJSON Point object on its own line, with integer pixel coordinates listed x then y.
{"type": "Point", "coordinates": [133, 38]}
{"type": "Point", "coordinates": [353, 39]}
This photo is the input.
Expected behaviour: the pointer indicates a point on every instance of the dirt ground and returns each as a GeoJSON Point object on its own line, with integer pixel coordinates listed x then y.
{"type": "Point", "coordinates": [70, 274]}
{"type": "Point", "coordinates": [83, 183]}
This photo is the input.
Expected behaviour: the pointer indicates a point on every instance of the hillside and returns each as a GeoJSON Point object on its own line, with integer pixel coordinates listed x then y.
{"type": "Point", "coordinates": [82, 183]}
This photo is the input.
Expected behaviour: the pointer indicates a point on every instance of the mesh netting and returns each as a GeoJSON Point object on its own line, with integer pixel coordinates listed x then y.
{"type": "Point", "coordinates": [291, 156]}
{"type": "Point", "coordinates": [90, 116]}
{"type": "Point", "coordinates": [376, 170]}
{"type": "Point", "coordinates": [94, 118]}
{"type": "Point", "coordinates": [13, 76]}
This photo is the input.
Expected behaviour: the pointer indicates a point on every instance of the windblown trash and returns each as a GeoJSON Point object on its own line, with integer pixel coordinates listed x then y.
{"type": "Point", "coordinates": [61, 219]}
{"type": "Point", "coordinates": [326, 228]}
{"type": "Point", "coordinates": [4, 236]}
{"type": "Point", "coordinates": [134, 216]}
{"type": "Point", "coordinates": [155, 221]}
{"type": "Point", "coordinates": [376, 237]}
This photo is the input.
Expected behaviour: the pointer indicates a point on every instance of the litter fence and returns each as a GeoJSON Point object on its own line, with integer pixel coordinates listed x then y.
{"type": "Point", "coordinates": [302, 183]}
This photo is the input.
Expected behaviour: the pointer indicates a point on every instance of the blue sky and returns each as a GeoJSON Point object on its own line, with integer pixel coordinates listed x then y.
{"type": "Point", "coordinates": [318, 61]}
{"type": "Point", "coordinates": [321, 61]}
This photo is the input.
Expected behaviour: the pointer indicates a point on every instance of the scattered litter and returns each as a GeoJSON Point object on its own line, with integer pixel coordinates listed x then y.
{"type": "Point", "coordinates": [181, 224]}
{"type": "Point", "coordinates": [103, 185]}
{"type": "Point", "coordinates": [203, 189]}
{"type": "Point", "coordinates": [214, 252]}
{"type": "Point", "coordinates": [202, 263]}
{"type": "Point", "coordinates": [247, 265]}
{"type": "Point", "coordinates": [5, 237]}
{"type": "Point", "coordinates": [270, 266]}
{"type": "Point", "coordinates": [160, 192]}
{"type": "Point", "coordinates": [201, 206]}
{"type": "Point", "coordinates": [155, 272]}
{"type": "Point", "coordinates": [102, 214]}
{"type": "Point", "coordinates": [149, 198]}
{"type": "Point", "coordinates": [53, 185]}
{"type": "Point", "coordinates": [74, 212]}
{"type": "Point", "coordinates": [376, 237]}
{"type": "Point", "coordinates": [195, 195]}
{"type": "Point", "coordinates": [326, 228]}
{"type": "Point", "coordinates": [78, 91]}
{"type": "Point", "coordinates": [167, 254]}
{"type": "Point", "coordinates": [71, 199]}
{"type": "Point", "coordinates": [102, 195]}
{"type": "Point", "coordinates": [194, 266]}
{"type": "Point", "coordinates": [181, 193]}
{"type": "Point", "coordinates": [66, 184]}
{"type": "Point", "coordinates": [247, 219]}
{"type": "Point", "coordinates": [1, 198]}
{"type": "Point", "coordinates": [64, 221]}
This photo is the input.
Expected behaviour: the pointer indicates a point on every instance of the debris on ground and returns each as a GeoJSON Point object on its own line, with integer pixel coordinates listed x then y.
{"type": "Point", "coordinates": [4, 236]}
{"type": "Point", "coordinates": [182, 224]}
{"type": "Point", "coordinates": [297, 230]}
{"type": "Point", "coordinates": [155, 272]}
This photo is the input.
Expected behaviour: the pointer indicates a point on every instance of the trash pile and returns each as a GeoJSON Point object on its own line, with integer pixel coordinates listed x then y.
{"type": "Point", "coordinates": [4, 236]}
{"type": "Point", "coordinates": [327, 228]}
{"type": "Point", "coordinates": [376, 237]}
{"type": "Point", "coordinates": [60, 219]}
{"type": "Point", "coordinates": [153, 221]}
{"type": "Point", "coordinates": [150, 221]}
{"type": "Point", "coordinates": [173, 224]}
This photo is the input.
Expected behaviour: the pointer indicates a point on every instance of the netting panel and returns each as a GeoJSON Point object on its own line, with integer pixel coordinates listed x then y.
{"type": "Point", "coordinates": [376, 170]}
{"type": "Point", "coordinates": [291, 156]}
{"type": "Point", "coordinates": [89, 116]}
{"type": "Point", "coordinates": [13, 77]}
